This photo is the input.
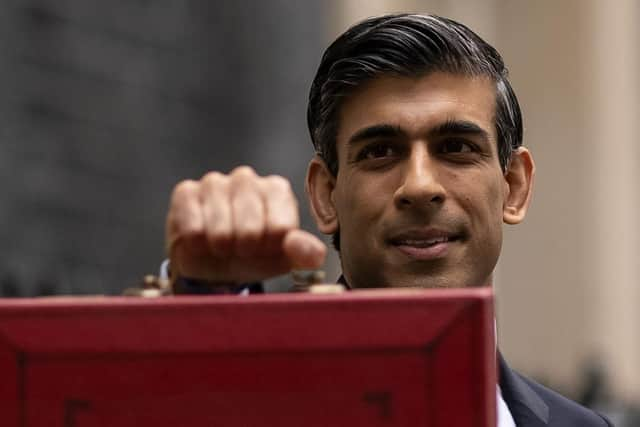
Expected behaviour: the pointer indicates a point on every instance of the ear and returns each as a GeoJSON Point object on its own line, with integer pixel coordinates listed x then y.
{"type": "Point", "coordinates": [518, 186]}
{"type": "Point", "coordinates": [319, 186]}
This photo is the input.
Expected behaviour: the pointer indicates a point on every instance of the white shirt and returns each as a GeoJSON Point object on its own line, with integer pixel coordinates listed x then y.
{"type": "Point", "coordinates": [505, 419]}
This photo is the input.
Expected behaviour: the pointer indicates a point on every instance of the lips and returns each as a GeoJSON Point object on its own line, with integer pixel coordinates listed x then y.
{"type": "Point", "coordinates": [424, 244]}
{"type": "Point", "coordinates": [423, 238]}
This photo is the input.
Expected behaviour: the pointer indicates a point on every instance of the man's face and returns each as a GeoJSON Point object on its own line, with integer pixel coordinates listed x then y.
{"type": "Point", "coordinates": [419, 194]}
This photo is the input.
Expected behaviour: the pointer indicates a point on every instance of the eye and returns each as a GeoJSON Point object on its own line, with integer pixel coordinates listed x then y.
{"type": "Point", "coordinates": [377, 151]}
{"type": "Point", "coordinates": [456, 145]}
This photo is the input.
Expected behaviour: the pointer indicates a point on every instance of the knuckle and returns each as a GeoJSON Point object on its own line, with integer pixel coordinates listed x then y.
{"type": "Point", "coordinates": [184, 189]}
{"type": "Point", "coordinates": [183, 209]}
{"type": "Point", "coordinates": [248, 216]}
{"type": "Point", "coordinates": [247, 202]}
{"type": "Point", "coordinates": [243, 172]}
{"type": "Point", "coordinates": [281, 220]}
{"type": "Point", "coordinates": [182, 197]}
{"type": "Point", "coordinates": [278, 183]}
{"type": "Point", "coordinates": [213, 179]}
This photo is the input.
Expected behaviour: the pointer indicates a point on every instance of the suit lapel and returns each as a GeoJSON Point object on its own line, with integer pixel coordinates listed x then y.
{"type": "Point", "coordinates": [526, 407]}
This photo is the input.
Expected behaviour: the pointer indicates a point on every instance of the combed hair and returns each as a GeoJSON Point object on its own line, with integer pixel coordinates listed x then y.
{"type": "Point", "coordinates": [410, 46]}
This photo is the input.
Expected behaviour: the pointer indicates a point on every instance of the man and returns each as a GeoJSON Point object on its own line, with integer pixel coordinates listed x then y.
{"type": "Point", "coordinates": [419, 161]}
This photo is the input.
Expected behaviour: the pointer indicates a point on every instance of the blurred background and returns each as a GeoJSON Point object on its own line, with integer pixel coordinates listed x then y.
{"type": "Point", "coordinates": [105, 105]}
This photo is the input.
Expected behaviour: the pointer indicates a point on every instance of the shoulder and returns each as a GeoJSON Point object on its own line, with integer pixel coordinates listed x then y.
{"type": "Point", "coordinates": [565, 412]}
{"type": "Point", "coordinates": [532, 404]}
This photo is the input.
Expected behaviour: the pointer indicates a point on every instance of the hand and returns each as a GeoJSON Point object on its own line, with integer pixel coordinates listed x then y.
{"type": "Point", "coordinates": [238, 228]}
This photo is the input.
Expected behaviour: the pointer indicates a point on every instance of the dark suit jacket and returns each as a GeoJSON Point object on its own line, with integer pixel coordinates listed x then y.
{"type": "Point", "coordinates": [533, 405]}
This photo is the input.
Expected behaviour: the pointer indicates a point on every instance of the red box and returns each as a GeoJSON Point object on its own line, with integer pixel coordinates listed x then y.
{"type": "Point", "coordinates": [362, 358]}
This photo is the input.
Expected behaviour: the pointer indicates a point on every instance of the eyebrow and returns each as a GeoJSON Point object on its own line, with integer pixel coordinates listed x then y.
{"type": "Point", "coordinates": [460, 127]}
{"type": "Point", "coordinates": [449, 127]}
{"type": "Point", "coordinates": [376, 131]}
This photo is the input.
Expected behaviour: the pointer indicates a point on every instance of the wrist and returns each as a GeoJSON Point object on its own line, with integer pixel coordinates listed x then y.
{"type": "Point", "coordinates": [182, 285]}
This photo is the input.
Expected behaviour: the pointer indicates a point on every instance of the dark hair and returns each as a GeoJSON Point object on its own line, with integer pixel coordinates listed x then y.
{"type": "Point", "coordinates": [405, 45]}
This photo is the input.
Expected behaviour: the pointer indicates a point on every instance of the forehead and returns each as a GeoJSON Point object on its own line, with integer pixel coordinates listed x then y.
{"type": "Point", "coordinates": [417, 104]}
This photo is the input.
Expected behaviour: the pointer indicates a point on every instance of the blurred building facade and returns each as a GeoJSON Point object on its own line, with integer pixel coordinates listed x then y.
{"type": "Point", "coordinates": [107, 105]}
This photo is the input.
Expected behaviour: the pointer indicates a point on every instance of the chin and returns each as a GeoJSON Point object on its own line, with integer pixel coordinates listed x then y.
{"type": "Point", "coordinates": [421, 282]}
{"type": "Point", "coordinates": [439, 281]}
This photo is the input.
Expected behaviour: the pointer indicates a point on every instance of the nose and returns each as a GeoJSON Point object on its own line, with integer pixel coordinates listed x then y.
{"type": "Point", "coordinates": [420, 186]}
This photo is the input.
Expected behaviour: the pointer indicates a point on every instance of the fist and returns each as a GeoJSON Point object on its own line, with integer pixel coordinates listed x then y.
{"type": "Point", "coordinates": [238, 228]}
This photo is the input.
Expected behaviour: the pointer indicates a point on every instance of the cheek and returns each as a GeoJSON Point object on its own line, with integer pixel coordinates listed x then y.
{"type": "Point", "coordinates": [346, 198]}
{"type": "Point", "coordinates": [485, 202]}
{"type": "Point", "coordinates": [495, 204]}
{"type": "Point", "coordinates": [361, 199]}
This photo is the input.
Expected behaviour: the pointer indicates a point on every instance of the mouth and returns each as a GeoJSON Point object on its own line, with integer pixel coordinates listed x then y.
{"type": "Point", "coordinates": [424, 246]}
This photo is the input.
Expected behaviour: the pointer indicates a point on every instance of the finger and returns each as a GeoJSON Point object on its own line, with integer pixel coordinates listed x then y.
{"type": "Point", "coordinates": [185, 216]}
{"type": "Point", "coordinates": [304, 250]}
{"type": "Point", "coordinates": [247, 211]}
{"type": "Point", "coordinates": [281, 212]}
{"type": "Point", "coordinates": [216, 212]}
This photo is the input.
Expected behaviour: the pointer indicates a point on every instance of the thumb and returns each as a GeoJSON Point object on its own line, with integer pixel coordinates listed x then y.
{"type": "Point", "coordinates": [304, 250]}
